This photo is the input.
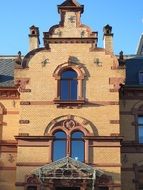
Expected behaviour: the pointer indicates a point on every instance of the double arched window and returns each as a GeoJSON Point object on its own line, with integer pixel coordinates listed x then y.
{"type": "Point", "coordinates": [68, 85]}
{"type": "Point", "coordinates": [71, 145]}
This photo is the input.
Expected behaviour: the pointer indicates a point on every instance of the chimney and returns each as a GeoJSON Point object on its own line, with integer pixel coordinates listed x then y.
{"type": "Point", "coordinates": [108, 38]}
{"type": "Point", "coordinates": [34, 38]}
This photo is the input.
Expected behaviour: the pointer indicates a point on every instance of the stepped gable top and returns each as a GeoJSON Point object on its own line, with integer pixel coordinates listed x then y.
{"type": "Point", "coordinates": [71, 4]}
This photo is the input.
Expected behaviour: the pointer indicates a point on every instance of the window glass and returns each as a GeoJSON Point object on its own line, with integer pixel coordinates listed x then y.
{"type": "Point", "coordinates": [141, 77]}
{"type": "Point", "coordinates": [76, 142]}
{"type": "Point", "coordinates": [60, 134]}
{"type": "Point", "coordinates": [140, 129]}
{"type": "Point", "coordinates": [77, 134]}
{"type": "Point", "coordinates": [68, 85]}
{"type": "Point", "coordinates": [140, 120]}
{"type": "Point", "coordinates": [69, 74]}
{"type": "Point", "coordinates": [77, 146]}
{"type": "Point", "coordinates": [59, 145]}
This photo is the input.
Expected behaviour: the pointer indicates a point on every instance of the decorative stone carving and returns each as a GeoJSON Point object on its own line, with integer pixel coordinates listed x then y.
{"type": "Point", "coordinates": [69, 123]}
{"type": "Point", "coordinates": [22, 82]}
{"type": "Point", "coordinates": [11, 158]}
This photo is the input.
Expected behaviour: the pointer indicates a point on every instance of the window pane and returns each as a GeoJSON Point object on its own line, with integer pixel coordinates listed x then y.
{"type": "Point", "coordinates": [77, 134]}
{"type": "Point", "coordinates": [60, 134]}
{"type": "Point", "coordinates": [69, 74]}
{"type": "Point", "coordinates": [77, 150]}
{"type": "Point", "coordinates": [59, 145]}
{"type": "Point", "coordinates": [64, 91]}
{"type": "Point", "coordinates": [140, 77]}
{"type": "Point", "coordinates": [59, 149]}
{"type": "Point", "coordinates": [140, 120]}
{"type": "Point", "coordinates": [73, 89]}
{"type": "Point", "coordinates": [68, 85]}
{"type": "Point", "coordinates": [140, 134]}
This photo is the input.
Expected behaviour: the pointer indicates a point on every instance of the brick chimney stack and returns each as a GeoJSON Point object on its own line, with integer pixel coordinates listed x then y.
{"type": "Point", "coordinates": [34, 38]}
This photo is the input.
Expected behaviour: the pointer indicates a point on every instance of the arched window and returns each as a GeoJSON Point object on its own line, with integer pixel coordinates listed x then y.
{"type": "Point", "coordinates": [71, 145]}
{"type": "Point", "coordinates": [59, 145]}
{"type": "Point", "coordinates": [77, 146]}
{"type": "Point", "coordinates": [68, 85]}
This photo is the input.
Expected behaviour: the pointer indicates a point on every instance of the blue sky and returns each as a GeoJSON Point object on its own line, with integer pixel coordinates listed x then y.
{"type": "Point", "coordinates": [125, 16]}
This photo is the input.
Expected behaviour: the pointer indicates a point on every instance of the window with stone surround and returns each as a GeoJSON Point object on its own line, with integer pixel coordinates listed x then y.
{"type": "Point", "coordinates": [68, 145]}
{"type": "Point", "coordinates": [70, 78]}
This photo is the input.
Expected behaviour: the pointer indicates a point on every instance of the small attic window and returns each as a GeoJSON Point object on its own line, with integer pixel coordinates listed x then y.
{"type": "Point", "coordinates": [33, 31]}
{"type": "Point", "coordinates": [141, 77]}
{"type": "Point", "coordinates": [108, 32]}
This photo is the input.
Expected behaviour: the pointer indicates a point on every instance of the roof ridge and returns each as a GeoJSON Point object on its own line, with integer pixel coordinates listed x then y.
{"type": "Point", "coordinates": [70, 3]}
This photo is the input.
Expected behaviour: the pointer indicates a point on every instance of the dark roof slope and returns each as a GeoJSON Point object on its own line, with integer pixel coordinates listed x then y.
{"type": "Point", "coordinates": [70, 3]}
{"type": "Point", "coordinates": [133, 67]}
{"type": "Point", "coordinates": [7, 72]}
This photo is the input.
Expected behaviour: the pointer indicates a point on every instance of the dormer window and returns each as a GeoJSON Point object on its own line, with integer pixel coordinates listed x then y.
{"type": "Point", "coordinates": [141, 77]}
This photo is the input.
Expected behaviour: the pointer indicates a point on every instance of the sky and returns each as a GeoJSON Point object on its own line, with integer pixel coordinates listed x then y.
{"type": "Point", "coordinates": [125, 17]}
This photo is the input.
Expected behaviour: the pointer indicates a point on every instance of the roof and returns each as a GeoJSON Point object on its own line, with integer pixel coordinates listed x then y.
{"type": "Point", "coordinates": [70, 3]}
{"type": "Point", "coordinates": [133, 67]}
{"type": "Point", "coordinates": [66, 168]}
{"type": "Point", "coordinates": [7, 72]}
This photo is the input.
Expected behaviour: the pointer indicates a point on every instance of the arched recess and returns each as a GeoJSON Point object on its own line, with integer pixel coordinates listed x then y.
{"type": "Point", "coordinates": [32, 182]}
{"type": "Point", "coordinates": [69, 125]}
{"type": "Point", "coordinates": [80, 71]}
{"type": "Point", "coordinates": [74, 122]}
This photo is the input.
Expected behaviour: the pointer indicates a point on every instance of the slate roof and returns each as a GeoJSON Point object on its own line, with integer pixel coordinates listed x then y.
{"type": "Point", "coordinates": [70, 3]}
{"type": "Point", "coordinates": [133, 67]}
{"type": "Point", "coordinates": [7, 72]}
